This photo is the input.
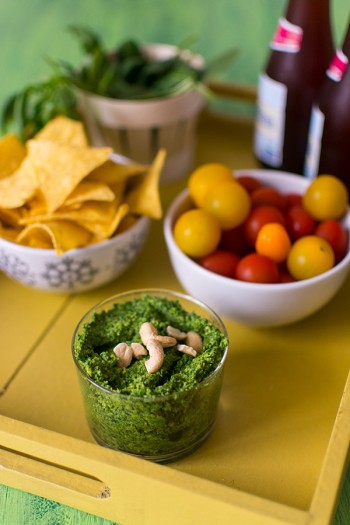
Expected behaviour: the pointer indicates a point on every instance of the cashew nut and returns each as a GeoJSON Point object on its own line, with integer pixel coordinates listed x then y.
{"type": "Point", "coordinates": [124, 354]}
{"type": "Point", "coordinates": [194, 340]}
{"type": "Point", "coordinates": [175, 332]}
{"type": "Point", "coordinates": [185, 349]}
{"type": "Point", "coordinates": [156, 352]}
{"type": "Point", "coordinates": [138, 350]}
{"type": "Point", "coordinates": [165, 340]}
{"type": "Point", "coordinates": [147, 330]}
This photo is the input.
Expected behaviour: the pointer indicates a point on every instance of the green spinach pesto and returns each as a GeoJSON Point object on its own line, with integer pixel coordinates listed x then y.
{"type": "Point", "coordinates": [154, 415]}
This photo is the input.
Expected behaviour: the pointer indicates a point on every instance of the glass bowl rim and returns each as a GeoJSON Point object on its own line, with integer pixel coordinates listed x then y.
{"type": "Point", "coordinates": [160, 292]}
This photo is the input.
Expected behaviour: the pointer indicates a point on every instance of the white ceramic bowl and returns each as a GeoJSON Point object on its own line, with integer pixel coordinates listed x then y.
{"type": "Point", "coordinates": [77, 270]}
{"type": "Point", "coordinates": [250, 303]}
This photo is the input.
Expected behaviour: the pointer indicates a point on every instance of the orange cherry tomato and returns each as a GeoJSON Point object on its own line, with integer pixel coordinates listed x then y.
{"type": "Point", "coordinates": [273, 241]}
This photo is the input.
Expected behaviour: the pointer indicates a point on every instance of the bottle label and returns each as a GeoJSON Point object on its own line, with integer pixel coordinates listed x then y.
{"type": "Point", "coordinates": [337, 66]}
{"type": "Point", "coordinates": [270, 121]}
{"type": "Point", "coordinates": [313, 150]}
{"type": "Point", "coordinates": [287, 38]}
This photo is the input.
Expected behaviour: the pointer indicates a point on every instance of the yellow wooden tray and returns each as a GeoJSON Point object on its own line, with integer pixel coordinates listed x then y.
{"type": "Point", "coordinates": [279, 448]}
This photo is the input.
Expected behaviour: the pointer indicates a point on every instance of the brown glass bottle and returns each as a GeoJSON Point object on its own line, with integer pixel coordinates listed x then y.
{"type": "Point", "coordinates": [329, 137]}
{"type": "Point", "coordinates": [301, 50]}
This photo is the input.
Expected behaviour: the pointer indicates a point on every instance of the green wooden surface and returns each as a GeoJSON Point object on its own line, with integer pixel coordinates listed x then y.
{"type": "Point", "coordinates": [20, 508]}
{"type": "Point", "coordinates": [31, 30]}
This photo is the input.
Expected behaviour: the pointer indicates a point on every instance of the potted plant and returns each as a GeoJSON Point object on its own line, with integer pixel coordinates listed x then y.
{"type": "Point", "coordinates": [134, 98]}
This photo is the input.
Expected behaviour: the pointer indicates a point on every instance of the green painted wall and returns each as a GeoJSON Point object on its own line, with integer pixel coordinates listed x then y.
{"type": "Point", "coordinates": [33, 29]}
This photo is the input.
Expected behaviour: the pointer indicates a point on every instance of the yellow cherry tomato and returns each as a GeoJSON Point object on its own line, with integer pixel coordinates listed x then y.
{"type": "Point", "coordinates": [197, 233]}
{"type": "Point", "coordinates": [204, 178]}
{"type": "Point", "coordinates": [273, 241]}
{"type": "Point", "coordinates": [309, 256]}
{"type": "Point", "coordinates": [326, 198]}
{"type": "Point", "coordinates": [229, 202]}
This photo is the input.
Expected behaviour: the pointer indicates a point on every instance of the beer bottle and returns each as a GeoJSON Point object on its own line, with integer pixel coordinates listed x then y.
{"type": "Point", "coordinates": [301, 50]}
{"type": "Point", "coordinates": [329, 135]}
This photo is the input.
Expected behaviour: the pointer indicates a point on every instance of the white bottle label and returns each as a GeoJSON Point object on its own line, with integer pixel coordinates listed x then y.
{"type": "Point", "coordinates": [270, 121]}
{"type": "Point", "coordinates": [314, 143]}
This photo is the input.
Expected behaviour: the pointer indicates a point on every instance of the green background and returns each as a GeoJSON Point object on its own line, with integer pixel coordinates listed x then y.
{"type": "Point", "coordinates": [31, 30]}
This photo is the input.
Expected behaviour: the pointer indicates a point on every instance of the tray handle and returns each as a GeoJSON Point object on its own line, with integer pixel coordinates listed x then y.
{"type": "Point", "coordinates": [14, 463]}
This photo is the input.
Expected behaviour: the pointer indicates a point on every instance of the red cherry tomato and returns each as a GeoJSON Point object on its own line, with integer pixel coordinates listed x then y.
{"type": "Point", "coordinates": [292, 199]}
{"type": "Point", "coordinates": [257, 218]}
{"type": "Point", "coordinates": [299, 222]}
{"type": "Point", "coordinates": [285, 277]}
{"type": "Point", "coordinates": [221, 262]}
{"type": "Point", "coordinates": [255, 268]}
{"type": "Point", "coordinates": [249, 182]}
{"type": "Point", "coordinates": [234, 241]}
{"type": "Point", "coordinates": [267, 197]}
{"type": "Point", "coordinates": [336, 235]}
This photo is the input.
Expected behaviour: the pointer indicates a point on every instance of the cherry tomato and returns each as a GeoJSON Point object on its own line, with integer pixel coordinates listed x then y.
{"type": "Point", "coordinates": [256, 268]}
{"type": "Point", "coordinates": [206, 177]}
{"type": "Point", "coordinates": [221, 262]}
{"type": "Point", "coordinates": [309, 256]}
{"type": "Point", "coordinates": [229, 202]}
{"type": "Point", "coordinates": [273, 241]}
{"type": "Point", "coordinates": [248, 182]}
{"type": "Point", "coordinates": [285, 277]}
{"type": "Point", "coordinates": [336, 235]}
{"type": "Point", "coordinates": [234, 241]}
{"type": "Point", "coordinates": [292, 199]}
{"type": "Point", "coordinates": [257, 218]}
{"type": "Point", "coordinates": [326, 198]}
{"type": "Point", "coordinates": [299, 222]}
{"type": "Point", "coordinates": [197, 233]}
{"type": "Point", "coordinates": [267, 197]}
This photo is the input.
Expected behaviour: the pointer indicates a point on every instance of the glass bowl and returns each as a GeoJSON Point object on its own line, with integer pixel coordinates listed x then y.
{"type": "Point", "coordinates": [166, 422]}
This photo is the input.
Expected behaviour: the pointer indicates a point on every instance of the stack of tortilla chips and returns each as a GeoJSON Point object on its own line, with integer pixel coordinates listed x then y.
{"type": "Point", "coordinates": [57, 192]}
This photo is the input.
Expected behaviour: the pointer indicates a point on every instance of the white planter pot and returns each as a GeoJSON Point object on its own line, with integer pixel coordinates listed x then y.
{"type": "Point", "coordinates": [138, 129]}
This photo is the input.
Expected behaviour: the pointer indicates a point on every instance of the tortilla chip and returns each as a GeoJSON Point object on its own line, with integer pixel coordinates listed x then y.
{"type": "Point", "coordinates": [64, 130]}
{"type": "Point", "coordinates": [58, 193]}
{"type": "Point", "coordinates": [8, 233]}
{"type": "Point", "coordinates": [12, 153]}
{"type": "Point", "coordinates": [87, 212]}
{"type": "Point", "coordinates": [20, 187]}
{"type": "Point", "coordinates": [60, 235]}
{"type": "Point", "coordinates": [143, 197]}
{"type": "Point", "coordinates": [12, 217]}
{"type": "Point", "coordinates": [90, 191]}
{"type": "Point", "coordinates": [60, 168]}
{"type": "Point", "coordinates": [126, 223]}
{"type": "Point", "coordinates": [111, 172]}
{"type": "Point", "coordinates": [118, 191]}
{"type": "Point", "coordinates": [36, 205]}
{"type": "Point", "coordinates": [121, 212]}
{"type": "Point", "coordinates": [104, 230]}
